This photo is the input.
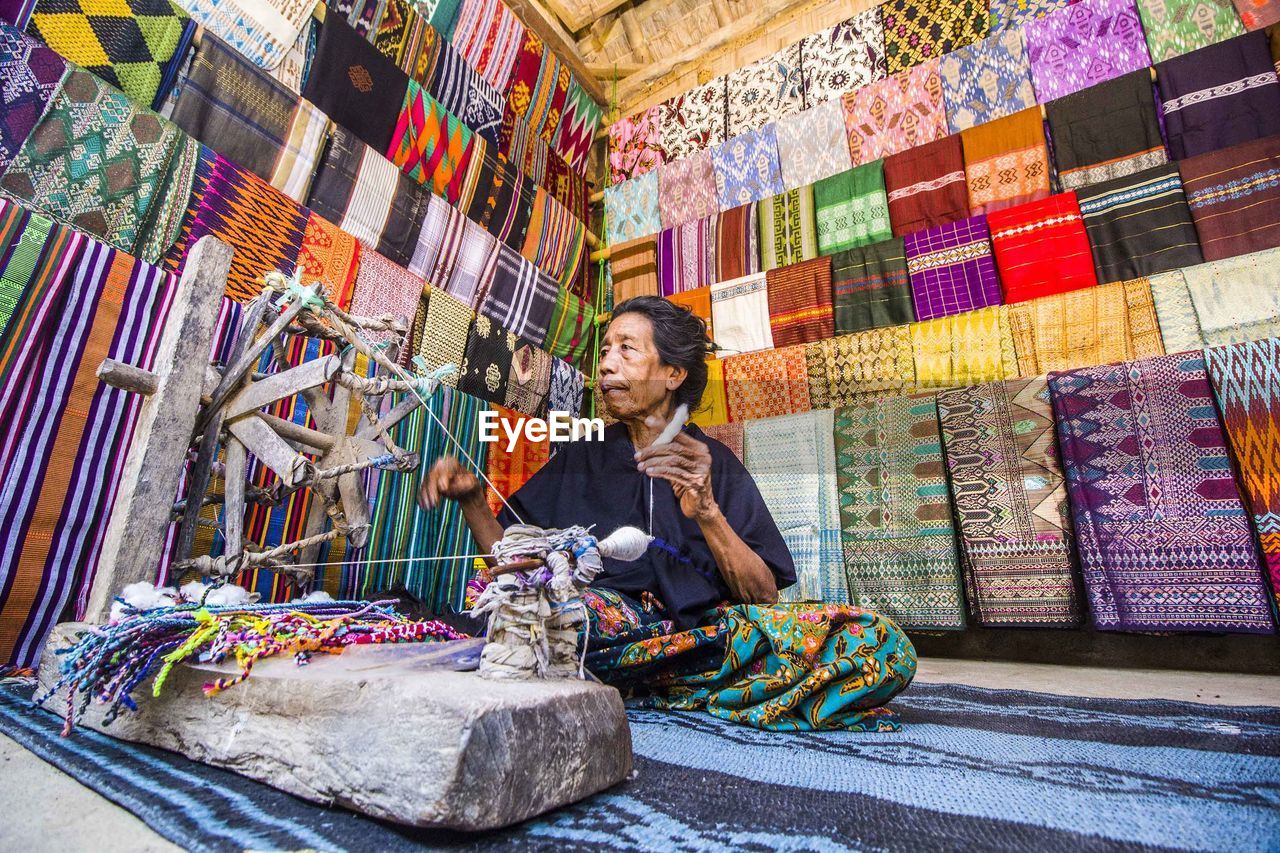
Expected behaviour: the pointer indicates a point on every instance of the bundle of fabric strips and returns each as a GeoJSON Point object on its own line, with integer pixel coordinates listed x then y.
{"type": "Point", "coordinates": [108, 662]}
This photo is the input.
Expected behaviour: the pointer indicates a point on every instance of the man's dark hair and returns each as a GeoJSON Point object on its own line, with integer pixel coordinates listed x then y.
{"type": "Point", "coordinates": [680, 337]}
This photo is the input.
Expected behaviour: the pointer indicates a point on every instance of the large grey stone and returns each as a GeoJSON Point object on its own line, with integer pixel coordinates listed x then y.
{"type": "Point", "coordinates": [384, 731]}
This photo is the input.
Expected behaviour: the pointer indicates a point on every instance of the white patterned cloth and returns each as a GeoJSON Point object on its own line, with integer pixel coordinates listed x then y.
{"type": "Point", "coordinates": [740, 314]}
{"type": "Point", "coordinates": [812, 145]}
{"type": "Point", "coordinates": [842, 58]}
{"type": "Point", "coordinates": [765, 91]}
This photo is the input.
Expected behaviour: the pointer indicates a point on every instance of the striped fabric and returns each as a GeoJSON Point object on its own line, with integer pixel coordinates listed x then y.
{"type": "Point", "coordinates": [454, 254]}
{"type": "Point", "coordinates": [1234, 196]}
{"type": "Point", "coordinates": [518, 298]}
{"type": "Point", "coordinates": [488, 35]}
{"type": "Point", "coordinates": [951, 268]}
{"type": "Point", "coordinates": [870, 288]}
{"type": "Point", "coordinates": [800, 302]}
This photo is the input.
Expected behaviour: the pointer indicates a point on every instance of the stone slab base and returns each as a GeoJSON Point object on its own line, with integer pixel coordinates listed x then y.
{"type": "Point", "coordinates": [387, 732]}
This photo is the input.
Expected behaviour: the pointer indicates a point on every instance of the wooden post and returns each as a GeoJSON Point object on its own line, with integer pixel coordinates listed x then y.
{"type": "Point", "coordinates": [153, 468]}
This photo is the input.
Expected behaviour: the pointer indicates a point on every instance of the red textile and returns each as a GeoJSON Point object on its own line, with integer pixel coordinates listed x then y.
{"type": "Point", "coordinates": [1041, 248]}
{"type": "Point", "coordinates": [926, 186]}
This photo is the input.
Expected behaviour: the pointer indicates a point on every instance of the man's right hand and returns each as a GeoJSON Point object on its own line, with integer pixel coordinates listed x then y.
{"type": "Point", "coordinates": [447, 479]}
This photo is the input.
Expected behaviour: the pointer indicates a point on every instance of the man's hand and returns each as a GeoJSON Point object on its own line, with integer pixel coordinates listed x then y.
{"type": "Point", "coordinates": [685, 463]}
{"type": "Point", "coordinates": [447, 479]}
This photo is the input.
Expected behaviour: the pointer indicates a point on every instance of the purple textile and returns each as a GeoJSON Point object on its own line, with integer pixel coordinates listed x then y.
{"type": "Point", "coordinates": [17, 12]}
{"type": "Point", "coordinates": [686, 256]}
{"type": "Point", "coordinates": [1219, 96]}
{"type": "Point", "coordinates": [31, 73]}
{"type": "Point", "coordinates": [1162, 534]}
{"type": "Point", "coordinates": [951, 268]}
{"type": "Point", "coordinates": [1085, 44]}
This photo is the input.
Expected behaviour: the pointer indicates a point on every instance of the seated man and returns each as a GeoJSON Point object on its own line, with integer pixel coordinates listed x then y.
{"type": "Point", "coordinates": [694, 622]}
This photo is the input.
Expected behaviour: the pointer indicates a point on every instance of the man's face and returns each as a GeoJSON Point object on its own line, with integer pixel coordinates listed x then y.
{"type": "Point", "coordinates": [633, 380]}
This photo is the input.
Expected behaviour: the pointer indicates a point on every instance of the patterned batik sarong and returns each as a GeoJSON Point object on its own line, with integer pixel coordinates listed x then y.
{"type": "Point", "coordinates": [1041, 248]}
{"type": "Point", "coordinates": [634, 268]}
{"type": "Point", "coordinates": [454, 254]}
{"type": "Point", "coordinates": [952, 269]}
{"type": "Point", "coordinates": [899, 545]}
{"type": "Point", "coordinates": [737, 243]}
{"type": "Point", "coordinates": [1246, 382]}
{"type": "Point", "coordinates": [894, 114]}
{"type": "Point", "coordinates": [31, 73]}
{"type": "Point", "coordinates": [1234, 195]}
{"type": "Point", "coordinates": [365, 195]}
{"type": "Point", "coordinates": [800, 302]}
{"type": "Point", "coordinates": [746, 168]}
{"type": "Point", "coordinates": [432, 146]}
{"type": "Point", "coordinates": [764, 91]}
{"type": "Point", "coordinates": [632, 208]}
{"type": "Point", "coordinates": [555, 240]}
{"type": "Point", "coordinates": [714, 407]}
{"type": "Point", "coordinates": [1257, 14]}
{"type": "Point", "coordinates": [1006, 162]}
{"type": "Point", "coordinates": [68, 302]}
{"type": "Point", "coordinates": [489, 36]}
{"type": "Point", "coordinates": [766, 384]}
{"type": "Point", "coordinates": [1139, 225]}
{"type": "Point", "coordinates": [686, 256]}
{"type": "Point", "coordinates": [97, 162]}
{"type": "Point", "coordinates": [331, 256]}
{"type": "Point", "coordinates": [444, 341]}
{"type": "Point", "coordinates": [1108, 131]}
{"type": "Point", "coordinates": [852, 209]}
{"type": "Point", "coordinates": [698, 301]}
{"type": "Point", "coordinates": [1220, 96]}
{"type": "Point", "coordinates": [963, 349]}
{"type": "Point", "coordinates": [987, 80]}
{"type": "Point", "coordinates": [519, 299]}
{"type": "Point", "coordinates": [1096, 325]}
{"type": "Point", "coordinates": [508, 471]}
{"type": "Point", "coordinates": [266, 32]}
{"type": "Point", "coordinates": [487, 364]}
{"type": "Point", "coordinates": [686, 189]}
{"type": "Point", "coordinates": [740, 314]}
{"type": "Point", "coordinates": [635, 145]}
{"type": "Point", "coordinates": [357, 87]}
{"type": "Point", "coordinates": [1163, 538]}
{"type": "Point", "coordinates": [127, 43]}
{"type": "Point", "coordinates": [1007, 14]}
{"type": "Point", "coordinates": [793, 460]}
{"type": "Point", "coordinates": [870, 288]}
{"type": "Point", "coordinates": [843, 58]}
{"type": "Point", "coordinates": [1083, 45]}
{"type": "Point", "coordinates": [577, 131]}
{"type": "Point", "coordinates": [383, 287]}
{"type": "Point", "coordinates": [850, 368]}
{"type": "Point", "coordinates": [926, 186]}
{"type": "Point", "coordinates": [262, 224]}
{"type": "Point", "coordinates": [788, 228]}
{"type": "Point", "coordinates": [695, 120]}
{"type": "Point", "coordinates": [781, 668]}
{"type": "Point", "coordinates": [572, 332]}
{"type": "Point", "coordinates": [1175, 27]}
{"type": "Point", "coordinates": [812, 145]}
{"type": "Point", "coordinates": [917, 31]}
{"type": "Point", "coordinates": [1001, 452]}
{"type": "Point", "coordinates": [245, 115]}
{"type": "Point", "coordinates": [730, 435]}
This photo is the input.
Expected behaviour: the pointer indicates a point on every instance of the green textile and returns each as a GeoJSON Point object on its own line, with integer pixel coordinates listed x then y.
{"type": "Point", "coordinates": [788, 228]}
{"type": "Point", "coordinates": [572, 322]}
{"type": "Point", "coordinates": [852, 208]}
{"type": "Point", "coordinates": [895, 512]}
{"type": "Point", "coordinates": [1175, 27]}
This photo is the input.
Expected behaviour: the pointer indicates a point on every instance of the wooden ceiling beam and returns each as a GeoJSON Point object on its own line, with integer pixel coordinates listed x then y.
{"type": "Point", "coordinates": [543, 22]}
{"type": "Point", "coordinates": [583, 14]}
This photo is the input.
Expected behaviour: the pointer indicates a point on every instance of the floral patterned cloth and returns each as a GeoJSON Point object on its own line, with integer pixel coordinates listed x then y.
{"type": "Point", "coordinates": [764, 91]}
{"type": "Point", "coordinates": [987, 80]}
{"type": "Point", "coordinates": [632, 208]}
{"type": "Point", "coordinates": [635, 145]}
{"type": "Point", "coordinates": [896, 113]}
{"type": "Point", "coordinates": [917, 31]}
{"type": "Point", "coordinates": [687, 189]}
{"type": "Point", "coordinates": [1083, 45]}
{"type": "Point", "coordinates": [843, 58]}
{"type": "Point", "coordinates": [695, 120]}
{"type": "Point", "coordinates": [812, 145]}
{"type": "Point", "coordinates": [746, 168]}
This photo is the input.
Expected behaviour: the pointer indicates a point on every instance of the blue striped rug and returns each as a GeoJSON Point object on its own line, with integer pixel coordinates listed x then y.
{"type": "Point", "coordinates": [972, 768]}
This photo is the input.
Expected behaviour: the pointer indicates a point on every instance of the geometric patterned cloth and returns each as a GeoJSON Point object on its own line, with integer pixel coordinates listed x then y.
{"type": "Point", "coordinates": [1246, 381]}
{"type": "Point", "coordinates": [431, 145]}
{"type": "Point", "coordinates": [812, 145]}
{"type": "Point", "coordinates": [800, 302]}
{"type": "Point", "coordinates": [963, 349]}
{"type": "Point", "coordinates": [916, 31]}
{"type": "Point", "coordinates": [766, 384]}
{"type": "Point", "coordinates": [896, 113]}
{"type": "Point", "coordinates": [508, 471]}
{"type": "Point", "coordinates": [852, 208]}
{"type": "Point", "coordinates": [1041, 248]}
{"type": "Point", "coordinates": [577, 129]}
{"type": "Point", "coordinates": [1223, 302]}
{"type": "Point", "coordinates": [686, 256]}
{"type": "Point", "coordinates": [1011, 503]}
{"type": "Point", "coordinates": [895, 513]}
{"type": "Point", "coordinates": [383, 287]}
{"type": "Point", "coordinates": [263, 30]}
{"type": "Point", "coordinates": [1234, 195]}
{"type": "Point", "coordinates": [1006, 162]}
{"type": "Point", "coordinates": [538, 89]}
{"type": "Point", "coordinates": [862, 366]}
{"type": "Point", "coordinates": [1257, 14]}
{"type": "Point", "coordinates": [635, 145]}
{"type": "Point", "coordinates": [788, 230]}
{"type": "Point", "coordinates": [686, 189]}
{"type": "Point", "coordinates": [1163, 538]}
{"type": "Point", "coordinates": [952, 269]}
{"type": "Point", "coordinates": [746, 168]}
{"type": "Point", "coordinates": [632, 208]}
{"type": "Point", "coordinates": [29, 76]}
{"type": "Point", "coordinates": [1012, 14]}
{"type": "Point", "coordinates": [843, 58]}
{"type": "Point", "coordinates": [1083, 45]}
{"type": "Point", "coordinates": [128, 43]}
{"type": "Point", "coordinates": [926, 186]}
{"type": "Point", "coordinates": [448, 323]}
{"type": "Point", "coordinates": [530, 380]}
{"type": "Point", "coordinates": [869, 287]}
{"type": "Point", "coordinates": [1175, 27]}
{"type": "Point", "coordinates": [518, 298]}
{"type": "Point", "coordinates": [987, 80]}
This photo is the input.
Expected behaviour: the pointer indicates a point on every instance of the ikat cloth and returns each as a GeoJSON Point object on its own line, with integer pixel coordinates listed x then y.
{"type": "Point", "coordinates": [263, 30]}
{"type": "Point", "coordinates": [432, 146]}
{"type": "Point", "coordinates": [632, 208]}
{"type": "Point", "coordinates": [764, 91]}
{"type": "Point", "coordinates": [1041, 248]}
{"type": "Point", "coordinates": [572, 331]}
{"type": "Point", "coordinates": [567, 388]}
{"type": "Point", "coordinates": [357, 87]}
{"type": "Point", "coordinates": [686, 189]}
{"type": "Point", "coordinates": [800, 302]}
{"type": "Point", "coordinates": [1220, 96]}
{"type": "Point", "coordinates": [788, 228]}
{"type": "Point", "coordinates": [1234, 196]}
{"type": "Point", "coordinates": [695, 120]}
{"type": "Point", "coordinates": [1163, 538]}
{"type": "Point", "coordinates": [766, 384]}
{"type": "Point", "coordinates": [556, 239]}
{"type": "Point", "coordinates": [864, 365]}
{"type": "Point", "coordinates": [538, 89]}
{"type": "Point", "coordinates": [1108, 131]}
{"type": "Point", "coordinates": [952, 269]}
{"type": "Point", "coordinates": [1257, 14]}
{"type": "Point", "coordinates": [331, 257]}
{"type": "Point", "coordinates": [746, 168]}
{"type": "Point", "coordinates": [870, 288]}
{"type": "Point", "coordinates": [926, 186]}
{"type": "Point", "coordinates": [812, 145]}
{"type": "Point", "coordinates": [843, 58]}
{"type": "Point", "coordinates": [1006, 162]}
{"type": "Point", "coordinates": [963, 349]}
{"type": "Point", "coordinates": [987, 80]}
{"type": "Point", "coordinates": [740, 314]}
{"type": "Point", "coordinates": [1084, 44]}
{"type": "Point", "coordinates": [852, 208]}
{"type": "Point", "coordinates": [686, 256]}
{"type": "Point", "coordinates": [30, 73]}
{"type": "Point", "coordinates": [1175, 27]}
{"type": "Point", "coordinates": [489, 37]}
{"type": "Point", "coordinates": [635, 145]}
{"type": "Point", "coordinates": [1001, 451]}
{"type": "Point", "coordinates": [895, 516]}
{"type": "Point", "coordinates": [917, 31]}
{"type": "Point", "coordinates": [509, 471]}
{"type": "Point", "coordinates": [458, 88]}
{"type": "Point", "coordinates": [577, 131]}
{"type": "Point", "coordinates": [792, 459]}
{"type": "Point", "coordinates": [1010, 14]}
{"type": "Point", "coordinates": [503, 199]}
{"type": "Point", "coordinates": [896, 113]}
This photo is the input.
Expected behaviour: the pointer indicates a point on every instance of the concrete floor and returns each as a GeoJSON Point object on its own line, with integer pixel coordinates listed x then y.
{"type": "Point", "coordinates": [73, 818]}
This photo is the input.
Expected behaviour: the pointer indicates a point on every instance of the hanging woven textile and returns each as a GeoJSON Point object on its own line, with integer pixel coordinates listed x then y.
{"type": "Point", "coordinates": [698, 301]}
{"type": "Point", "coordinates": [963, 349]}
{"type": "Point", "coordinates": [686, 190]}
{"type": "Point", "coordinates": [713, 409]}
{"type": "Point", "coordinates": [489, 37]}
{"type": "Point", "coordinates": [432, 146]}
{"type": "Point", "coordinates": [843, 58]}
{"type": "Point", "coordinates": [503, 199]}
{"type": "Point", "coordinates": [1234, 195]}
{"type": "Point", "coordinates": [696, 120]}
{"type": "Point", "coordinates": [1041, 248]}
{"type": "Point", "coordinates": [917, 31]}
{"type": "Point", "coordinates": [632, 208]}
{"type": "Point", "coordinates": [740, 314]}
{"type": "Point", "coordinates": [1246, 382]}
{"type": "Point", "coordinates": [1083, 45]}
{"type": "Point", "coordinates": [987, 80]}
{"type": "Point", "coordinates": [1163, 538]}
{"type": "Point", "coordinates": [446, 328]}
{"type": "Point", "coordinates": [800, 302]}
{"type": "Point", "coordinates": [764, 91]}
{"type": "Point", "coordinates": [788, 228]}
{"type": "Point", "coordinates": [634, 268]}
{"type": "Point", "coordinates": [357, 87]}
{"type": "Point", "coordinates": [442, 71]}
{"type": "Point", "coordinates": [508, 471]}
{"type": "Point", "coordinates": [518, 298]}
{"type": "Point", "coordinates": [265, 30]}
{"type": "Point", "coordinates": [32, 72]}
{"type": "Point", "coordinates": [793, 461]}
{"type": "Point", "coordinates": [1175, 27]}
{"type": "Point", "coordinates": [926, 186]}
{"type": "Point", "coordinates": [1006, 162]}
{"type": "Point", "coordinates": [766, 384]}
{"type": "Point", "coordinates": [736, 252]}
{"type": "Point", "coordinates": [952, 269]}
{"type": "Point", "coordinates": [383, 287]}
{"type": "Point", "coordinates": [812, 145]}
{"type": "Point", "coordinates": [555, 240]}
{"type": "Point", "coordinates": [331, 257]}
{"type": "Point", "coordinates": [1010, 14]}
{"type": "Point", "coordinates": [538, 88]}
{"type": "Point", "coordinates": [635, 145]}
{"type": "Point", "coordinates": [567, 388]}
{"type": "Point", "coordinates": [896, 113]}
{"type": "Point", "coordinates": [1001, 452]}
{"type": "Point", "coordinates": [577, 131]}
{"type": "Point", "coordinates": [572, 330]}
{"type": "Point", "coordinates": [529, 381]}
{"type": "Point", "coordinates": [454, 254]}
{"type": "Point", "coordinates": [730, 435]}
{"type": "Point", "coordinates": [870, 288]}
{"type": "Point", "coordinates": [1257, 14]}
{"type": "Point", "coordinates": [899, 545]}
{"type": "Point", "coordinates": [746, 168]}
{"type": "Point", "coordinates": [851, 368]}
{"type": "Point", "coordinates": [852, 209]}
{"type": "Point", "coordinates": [487, 364]}
{"type": "Point", "coordinates": [686, 256]}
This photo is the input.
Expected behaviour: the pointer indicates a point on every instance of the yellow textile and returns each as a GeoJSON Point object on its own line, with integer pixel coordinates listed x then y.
{"type": "Point", "coordinates": [713, 410]}
{"type": "Point", "coordinates": [964, 349]}
{"type": "Point", "coordinates": [849, 368]}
